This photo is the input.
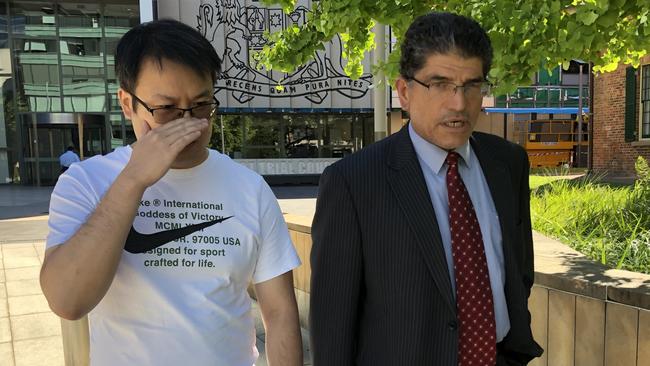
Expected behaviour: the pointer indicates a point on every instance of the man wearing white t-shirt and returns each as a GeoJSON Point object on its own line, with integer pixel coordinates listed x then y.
{"type": "Point", "coordinates": [158, 241]}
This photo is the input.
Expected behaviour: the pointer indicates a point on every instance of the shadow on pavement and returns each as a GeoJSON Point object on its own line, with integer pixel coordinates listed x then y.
{"type": "Point", "coordinates": [295, 191]}
{"type": "Point", "coordinates": [23, 201]}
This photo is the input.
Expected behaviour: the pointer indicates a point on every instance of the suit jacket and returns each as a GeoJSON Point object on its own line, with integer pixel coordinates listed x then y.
{"type": "Point", "coordinates": [380, 286]}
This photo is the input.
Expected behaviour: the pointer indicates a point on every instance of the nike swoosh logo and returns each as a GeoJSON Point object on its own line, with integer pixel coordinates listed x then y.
{"type": "Point", "coordinates": [140, 243]}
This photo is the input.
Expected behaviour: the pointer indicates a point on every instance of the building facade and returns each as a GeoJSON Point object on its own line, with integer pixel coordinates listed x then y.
{"type": "Point", "coordinates": [58, 83]}
{"type": "Point", "coordinates": [621, 119]}
{"type": "Point", "coordinates": [59, 89]}
{"type": "Point", "coordinates": [279, 124]}
{"type": "Point", "coordinates": [56, 65]}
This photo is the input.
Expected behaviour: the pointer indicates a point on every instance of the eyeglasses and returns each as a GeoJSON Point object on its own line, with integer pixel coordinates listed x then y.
{"type": "Point", "coordinates": [169, 113]}
{"type": "Point", "coordinates": [472, 89]}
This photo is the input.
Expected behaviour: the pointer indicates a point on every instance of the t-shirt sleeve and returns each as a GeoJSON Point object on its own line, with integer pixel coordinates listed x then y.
{"type": "Point", "coordinates": [71, 203]}
{"type": "Point", "coordinates": [276, 253]}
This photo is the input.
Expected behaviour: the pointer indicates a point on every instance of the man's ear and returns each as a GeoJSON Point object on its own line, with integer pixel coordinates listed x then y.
{"type": "Point", "coordinates": [126, 102]}
{"type": "Point", "coordinates": [402, 87]}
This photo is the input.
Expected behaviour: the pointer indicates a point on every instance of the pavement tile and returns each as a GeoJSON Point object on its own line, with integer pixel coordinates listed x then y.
{"type": "Point", "coordinates": [5, 330]}
{"type": "Point", "coordinates": [4, 308]}
{"type": "Point", "coordinates": [23, 250]}
{"type": "Point", "coordinates": [12, 261]}
{"type": "Point", "coordinates": [41, 351]}
{"type": "Point", "coordinates": [24, 273]}
{"type": "Point", "coordinates": [17, 247]}
{"type": "Point", "coordinates": [23, 287]}
{"type": "Point", "coordinates": [29, 304]}
{"type": "Point", "coordinates": [40, 250]}
{"type": "Point", "coordinates": [19, 255]}
{"type": "Point", "coordinates": [7, 354]}
{"type": "Point", "coordinates": [35, 326]}
{"type": "Point", "coordinates": [2, 273]}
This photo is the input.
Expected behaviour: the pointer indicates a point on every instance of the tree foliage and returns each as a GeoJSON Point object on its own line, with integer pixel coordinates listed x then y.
{"type": "Point", "coordinates": [525, 34]}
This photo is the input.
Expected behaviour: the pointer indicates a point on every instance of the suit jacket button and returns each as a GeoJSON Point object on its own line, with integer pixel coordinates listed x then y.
{"type": "Point", "coordinates": [453, 325]}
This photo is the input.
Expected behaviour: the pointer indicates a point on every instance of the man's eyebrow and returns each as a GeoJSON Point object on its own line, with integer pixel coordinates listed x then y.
{"type": "Point", "coordinates": [478, 79]}
{"type": "Point", "coordinates": [164, 96]}
{"type": "Point", "coordinates": [438, 78]}
{"type": "Point", "coordinates": [433, 78]}
{"type": "Point", "coordinates": [203, 94]}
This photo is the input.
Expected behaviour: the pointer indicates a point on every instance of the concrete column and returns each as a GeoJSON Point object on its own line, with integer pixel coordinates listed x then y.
{"type": "Point", "coordinates": [146, 11]}
{"type": "Point", "coordinates": [380, 89]}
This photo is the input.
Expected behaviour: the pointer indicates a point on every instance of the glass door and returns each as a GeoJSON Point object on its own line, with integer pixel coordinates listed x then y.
{"type": "Point", "coordinates": [44, 143]}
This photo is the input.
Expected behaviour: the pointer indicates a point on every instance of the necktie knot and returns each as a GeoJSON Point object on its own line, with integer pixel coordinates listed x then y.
{"type": "Point", "coordinates": [452, 158]}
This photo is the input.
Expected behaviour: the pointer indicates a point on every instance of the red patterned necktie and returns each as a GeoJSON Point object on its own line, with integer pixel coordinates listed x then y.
{"type": "Point", "coordinates": [477, 338]}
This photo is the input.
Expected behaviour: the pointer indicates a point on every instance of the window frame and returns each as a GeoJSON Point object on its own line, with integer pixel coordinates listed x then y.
{"type": "Point", "coordinates": [643, 70]}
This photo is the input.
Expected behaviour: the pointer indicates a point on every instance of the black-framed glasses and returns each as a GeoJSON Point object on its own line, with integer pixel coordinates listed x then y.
{"type": "Point", "coordinates": [472, 89]}
{"type": "Point", "coordinates": [169, 113]}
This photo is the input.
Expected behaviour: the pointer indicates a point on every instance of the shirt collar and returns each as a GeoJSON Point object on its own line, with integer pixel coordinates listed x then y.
{"type": "Point", "coordinates": [432, 155]}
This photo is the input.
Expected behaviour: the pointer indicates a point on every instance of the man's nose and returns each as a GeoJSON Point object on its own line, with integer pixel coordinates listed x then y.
{"type": "Point", "coordinates": [457, 101]}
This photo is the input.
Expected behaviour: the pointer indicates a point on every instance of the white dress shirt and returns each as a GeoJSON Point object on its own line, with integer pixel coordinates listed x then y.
{"type": "Point", "coordinates": [432, 161]}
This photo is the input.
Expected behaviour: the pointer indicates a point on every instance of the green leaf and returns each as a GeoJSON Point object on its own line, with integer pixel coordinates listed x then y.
{"type": "Point", "coordinates": [588, 18]}
{"type": "Point", "coordinates": [605, 32]}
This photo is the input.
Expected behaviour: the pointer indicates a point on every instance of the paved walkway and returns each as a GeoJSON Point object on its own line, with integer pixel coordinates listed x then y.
{"type": "Point", "coordinates": [30, 334]}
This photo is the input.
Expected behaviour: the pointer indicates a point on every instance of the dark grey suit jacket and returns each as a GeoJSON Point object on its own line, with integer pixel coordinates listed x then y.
{"type": "Point", "coordinates": [380, 287]}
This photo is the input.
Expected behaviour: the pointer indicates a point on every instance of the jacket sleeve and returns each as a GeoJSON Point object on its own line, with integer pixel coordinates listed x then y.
{"type": "Point", "coordinates": [337, 273]}
{"type": "Point", "coordinates": [526, 234]}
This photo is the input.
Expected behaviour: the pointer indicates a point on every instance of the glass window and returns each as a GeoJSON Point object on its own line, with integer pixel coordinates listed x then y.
{"type": "Point", "coordinates": [645, 101]}
{"type": "Point", "coordinates": [337, 136]}
{"type": "Point", "coordinates": [232, 141]}
{"type": "Point", "coordinates": [80, 46]}
{"type": "Point", "coordinates": [129, 137]}
{"type": "Point", "coordinates": [114, 102]}
{"type": "Point", "coordinates": [79, 19]}
{"type": "Point", "coordinates": [4, 29]}
{"type": "Point", "coordinates": [117, 130]}
{"type": "Point", "coordinates": [9, 124]}
{"type": "Point", "coordinates": [37, 75]}
{"type": "Point", "coordinates": [81, 57]}
{"type": "Point", "coordinates": [301, 136]}
{"type": "Point", "coordinates": [33, 18]}
{"type": "Point", "coordinates": [119, 18]}
{"type": "Point", "coordinates": [262, 135]}
{"type": "Point", "coordinates": [84, 94]}
{"type": "Point", "coordinates": [111, 44]}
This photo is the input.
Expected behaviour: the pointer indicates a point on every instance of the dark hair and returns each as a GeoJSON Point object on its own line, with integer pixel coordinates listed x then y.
{"type": "Point", "coordinates": [163, 39]}
{"type": "Point", "coordinates": [441, 33]}
{"type": "Point", "coordinates": [70, 148]}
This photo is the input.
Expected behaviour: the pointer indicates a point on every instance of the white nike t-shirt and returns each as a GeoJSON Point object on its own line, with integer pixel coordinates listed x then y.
{"type": "Point", "coordinates": [185, 302]}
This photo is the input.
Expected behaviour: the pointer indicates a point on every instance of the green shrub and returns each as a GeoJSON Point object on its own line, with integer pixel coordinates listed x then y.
{"type": "Point", "coordinates": [608, 224]}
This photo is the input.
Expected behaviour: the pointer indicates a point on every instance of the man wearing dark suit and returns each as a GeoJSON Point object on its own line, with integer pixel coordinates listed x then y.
{"type": "Point", "coordinates": [422, 247]}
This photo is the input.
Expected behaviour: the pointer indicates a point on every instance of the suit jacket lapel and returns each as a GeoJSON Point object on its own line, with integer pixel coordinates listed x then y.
{"type": "Point", "coordinates": [409, 187]}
